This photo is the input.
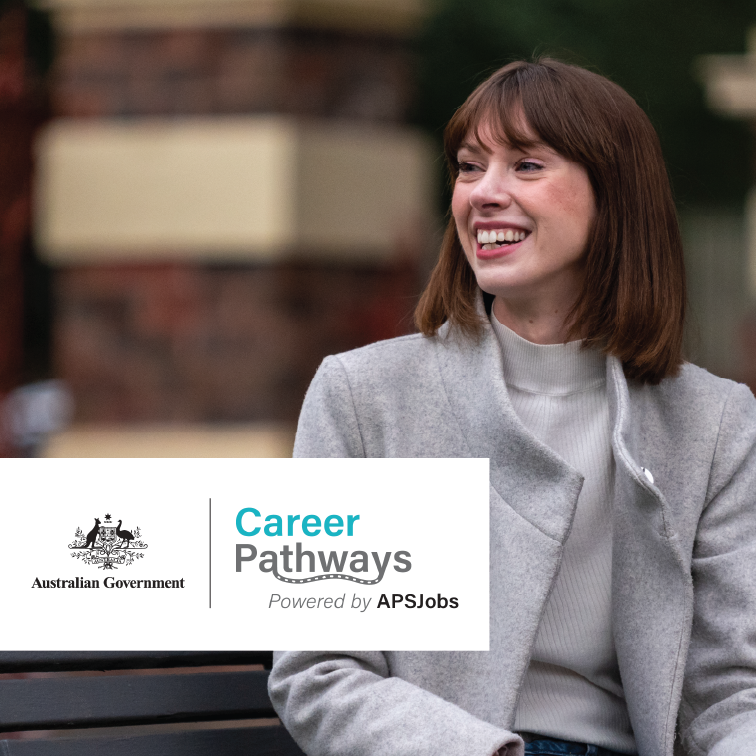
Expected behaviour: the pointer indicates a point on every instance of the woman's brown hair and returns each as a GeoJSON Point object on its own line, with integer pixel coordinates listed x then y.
{"type": "Point", "coordinates": [633, 300]}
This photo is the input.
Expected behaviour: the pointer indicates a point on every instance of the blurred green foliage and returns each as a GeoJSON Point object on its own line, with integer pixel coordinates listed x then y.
{"type": "Point", "coordinates": [649, 47]}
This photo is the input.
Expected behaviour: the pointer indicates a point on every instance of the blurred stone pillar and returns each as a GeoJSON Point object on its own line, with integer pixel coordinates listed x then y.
{"type": "Point", "coordinates": [731, 90]}
{"type": "Point", "coordinates": [229, 193]}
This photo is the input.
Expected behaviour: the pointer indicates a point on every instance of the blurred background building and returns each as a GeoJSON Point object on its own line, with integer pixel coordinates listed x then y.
{"type": "Point", "coordinates": [226, 191]}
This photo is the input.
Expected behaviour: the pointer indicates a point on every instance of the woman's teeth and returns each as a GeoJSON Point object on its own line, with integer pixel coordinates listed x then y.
{"type": "Point", "coordinates": [494, 239]}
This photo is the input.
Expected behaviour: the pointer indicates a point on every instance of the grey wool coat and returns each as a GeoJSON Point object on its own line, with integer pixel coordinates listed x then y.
{"type": "Point", "coordinates": [684, 556]}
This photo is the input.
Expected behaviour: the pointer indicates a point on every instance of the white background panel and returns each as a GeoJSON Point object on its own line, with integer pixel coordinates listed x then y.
{"type": "Point", "coordinates": [437, 510]}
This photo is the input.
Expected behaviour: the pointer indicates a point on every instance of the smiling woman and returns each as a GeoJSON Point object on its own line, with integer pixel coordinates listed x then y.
{"type": "Point", "coordinates": [623, 480]}
{"type": "Point", "coordinates": [604, 200]}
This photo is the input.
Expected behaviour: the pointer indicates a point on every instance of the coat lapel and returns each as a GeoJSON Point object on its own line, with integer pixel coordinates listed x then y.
{"type": "Point", "coordinates": [533, 498]}
{"type": "Point", "coordinates": [651, 587]}
{"type": "Point", "coordinates": [533, 480]}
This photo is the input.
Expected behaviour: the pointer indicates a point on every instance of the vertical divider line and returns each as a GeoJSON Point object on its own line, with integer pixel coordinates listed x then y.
{"type": "Point", "coordinates": [210, 551]}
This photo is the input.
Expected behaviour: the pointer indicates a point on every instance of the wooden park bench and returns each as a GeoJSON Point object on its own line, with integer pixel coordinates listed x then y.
{"type": "Point", "coordinates": [139, 704]}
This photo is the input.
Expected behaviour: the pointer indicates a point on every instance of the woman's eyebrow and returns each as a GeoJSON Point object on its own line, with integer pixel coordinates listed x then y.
{"type": "Point", "coordinates": [477, 147]}
{"type": "Point", "coordinates": [472, 147]}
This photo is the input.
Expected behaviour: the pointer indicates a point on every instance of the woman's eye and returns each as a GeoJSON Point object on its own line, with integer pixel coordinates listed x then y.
{"type": "Point", "coordinates": [528, 166]}
{"type": "Point", "coordinates": [467, 167]}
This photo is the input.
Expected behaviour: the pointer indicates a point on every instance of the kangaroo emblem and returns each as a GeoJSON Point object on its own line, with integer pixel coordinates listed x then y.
{"type": "Point", "coordinates": [92, 535]}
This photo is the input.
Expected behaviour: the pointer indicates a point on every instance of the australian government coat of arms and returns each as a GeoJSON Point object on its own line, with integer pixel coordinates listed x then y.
{"type": "Point", "coordinates": [107, 545]}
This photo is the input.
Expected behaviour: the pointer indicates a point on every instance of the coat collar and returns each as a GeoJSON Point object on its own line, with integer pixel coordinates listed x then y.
{"type": "Point", "coordinates": [526, 473]}
{"type": "Point", "coordinates": [627, 445]}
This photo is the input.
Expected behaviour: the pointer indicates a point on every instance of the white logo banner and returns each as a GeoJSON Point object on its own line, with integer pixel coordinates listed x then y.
{"type": "Point", "coordinates": [245, 554]}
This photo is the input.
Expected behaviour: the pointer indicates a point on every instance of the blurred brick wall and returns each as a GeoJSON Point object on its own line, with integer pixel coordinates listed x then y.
{"type": "Point", "coordinates": [186, 342]}
{"type": "Point", "coordinates": [228, 71]}
{"type": "Point", "coordinates": [216, 344]}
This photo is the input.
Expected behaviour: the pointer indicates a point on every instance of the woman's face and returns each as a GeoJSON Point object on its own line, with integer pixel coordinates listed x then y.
{"type": "Point", "coordinates": [523, 218]}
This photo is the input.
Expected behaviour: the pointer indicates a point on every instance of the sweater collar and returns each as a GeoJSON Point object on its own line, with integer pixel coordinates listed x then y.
{"type": "Point", "coordinates": [555, 369]}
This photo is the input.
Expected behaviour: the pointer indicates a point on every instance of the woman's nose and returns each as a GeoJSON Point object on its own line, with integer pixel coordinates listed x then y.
{"type": "Point", "coordinates": [492, 190]}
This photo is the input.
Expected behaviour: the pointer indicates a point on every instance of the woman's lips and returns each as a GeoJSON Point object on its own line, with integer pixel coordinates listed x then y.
{"type": "Point", "coordinates": [503, 251]}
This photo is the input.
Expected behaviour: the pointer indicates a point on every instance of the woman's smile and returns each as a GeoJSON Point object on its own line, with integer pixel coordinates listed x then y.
{"type": "Point", "coordinates": [498, 241]}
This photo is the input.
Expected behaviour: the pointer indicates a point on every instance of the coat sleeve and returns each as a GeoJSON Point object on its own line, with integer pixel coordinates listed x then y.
{"type": "Point", "coordinates": [718, 710]}
{"type": "Point", "coordinates": [348, 704]}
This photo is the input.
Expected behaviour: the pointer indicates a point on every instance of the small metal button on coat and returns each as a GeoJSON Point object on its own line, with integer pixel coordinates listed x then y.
{"type": "Point", "coordinates": [648, 475]}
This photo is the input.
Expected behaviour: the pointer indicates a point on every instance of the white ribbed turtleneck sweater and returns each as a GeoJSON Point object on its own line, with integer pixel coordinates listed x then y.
{"type": "Point", "coordinates": [572, 689]}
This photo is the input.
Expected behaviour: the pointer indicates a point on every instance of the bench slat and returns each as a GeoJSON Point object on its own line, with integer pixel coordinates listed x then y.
{"type": "Point", "coordinates": [254, 741]}
{"type": "Point", "coordinates": [54, 661]}
{"type": "Point", "coordinates": [139, 699]}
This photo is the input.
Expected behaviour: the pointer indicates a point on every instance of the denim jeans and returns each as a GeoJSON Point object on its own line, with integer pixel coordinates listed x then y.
{"type": "Point", "coordinates": [547, 747]}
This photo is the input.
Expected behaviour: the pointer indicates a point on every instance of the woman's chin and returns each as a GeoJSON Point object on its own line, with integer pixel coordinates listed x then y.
{"type": "Point", "coordinates": [500, 285]}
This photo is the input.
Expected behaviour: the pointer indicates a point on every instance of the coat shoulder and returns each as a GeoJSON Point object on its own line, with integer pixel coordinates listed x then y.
{"type": "Point", "coordinates": [694, 406]}
{"type": "Point", "coordinates": [410, 372]}
{"type": "Point", "coordinates": [387, 361]}
{"type": "Point", "coordinates": [698, 393]}
{"type": "Point", "coordinates": [382, 400]}
{"type": "Point", "coordinates": [695, 377]}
